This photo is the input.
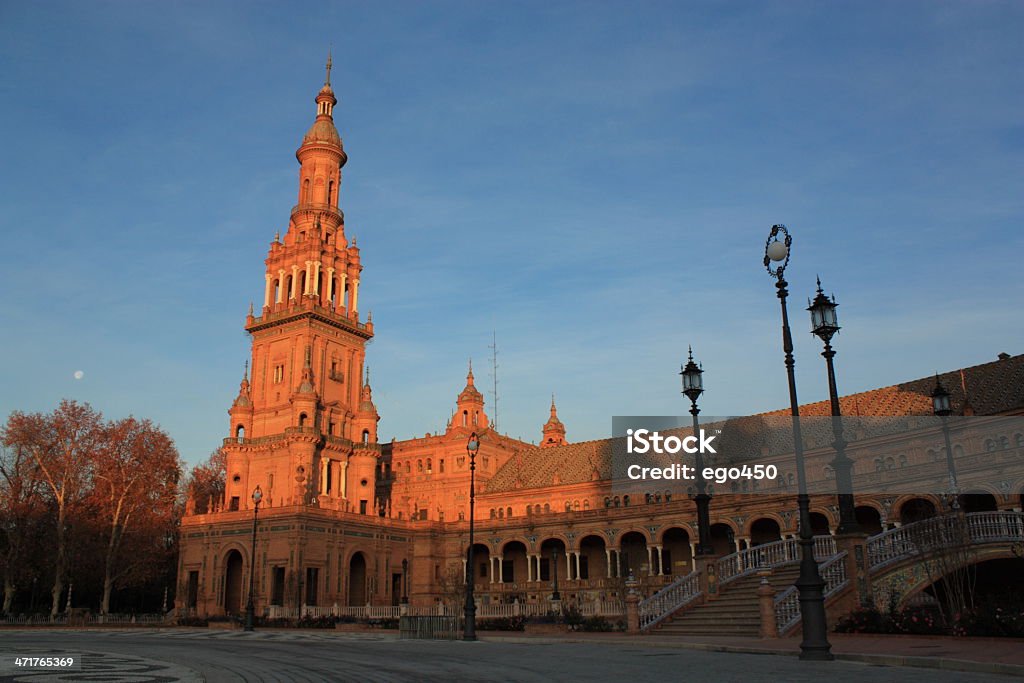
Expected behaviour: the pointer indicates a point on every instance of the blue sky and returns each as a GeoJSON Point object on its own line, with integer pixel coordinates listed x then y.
{"type": "Point", "coordinates": [592, 181]}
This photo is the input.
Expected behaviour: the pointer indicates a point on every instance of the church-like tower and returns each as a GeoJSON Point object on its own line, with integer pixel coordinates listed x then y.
{"type": "Point", "coordinates": [304, 427]}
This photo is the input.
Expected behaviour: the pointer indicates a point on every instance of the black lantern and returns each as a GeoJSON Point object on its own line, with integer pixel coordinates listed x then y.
{"type": "Point", "coordinates": [940, 400]}
{"type": "Point", "coordinates": [824, 322]}
{"type": "Point", "coordinates": [693, 381]}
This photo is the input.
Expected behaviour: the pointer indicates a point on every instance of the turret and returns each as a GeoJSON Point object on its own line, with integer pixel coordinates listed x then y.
{"type": "Point", "coordinates": [553, 433]}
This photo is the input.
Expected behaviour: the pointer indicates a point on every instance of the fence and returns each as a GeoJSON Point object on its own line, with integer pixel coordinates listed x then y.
{"type": "Point", "coordinates": [84, 620]}
{"type": "Point", "coordinates": [434, 627]}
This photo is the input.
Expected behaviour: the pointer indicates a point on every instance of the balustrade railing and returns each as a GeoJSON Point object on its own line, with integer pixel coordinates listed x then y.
{"type": "Point", "coordinates": [787, 603]}
{"type": "Point", "coordinates": [669, 599]}
{"type": "Point", "coordinates": [775, 554]}
{"type": "Point", "coordinates": [937, 532]}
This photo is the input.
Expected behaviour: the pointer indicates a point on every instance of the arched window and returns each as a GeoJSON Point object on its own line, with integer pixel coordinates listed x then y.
{"type": "Point", "coordinates": [494, 513]}
{"type": "Point", "coordinates": [616, 502]}
{"type": "Point", "coordinates": [440, 465]}
{"type": "Point", "coordinates": [240, 433]}
{"type": "Point", "coordinates": [625, 501]}
{"type": "Point", "coordinates": [501, 514]}
{"type": "Point", "coordinates": [1004, 442]}
{"type": "Point", "coordinates": [465, 418]}
{"type": "Point", "coordinates": [547, 508]}
{"type": "Point", "coordinates": [476, 416]}
{"type": "Point", "coordinates": [430, 466]}
{"type": "Point", "coordinates": [305, 190]}
{"type": "Point", "coordinates": [576, 506]}
{"type": "Point", "coordinates": [990, 444]}
{"type": "Point", "coordinates": [890, 463]}
{"type": "Point", "coordinates": [508, 512]}
{"type": "Point", "coordinates": [903, 460]}
{"type": "Point", "coordinates": [568, 506]}
{"type": "Point", "coordinates": [366, 436]}
{"type": "Point", "coordinates": [607, 502]}
{"type": "Point", "coordinates": [958, 451]}
{"type": "Point", "coordinates": [302, 419]}
{"type": "Point", "coordinates": [288, 286]}
{"type": "Point", "coordinates": [408, 466]}
{"type": "Point", "coordinates": [586, 505]}
{"type": "Point", "coordinates": [419, 465]}
{"type": "Point", "coordinates": [1019, 439]}
{"type": "Point", "coordinates": [668, 496]}
{"type": "Point", "coordinates": [302, 282]}
{"type": "Point", "coordinates": [330, 192]}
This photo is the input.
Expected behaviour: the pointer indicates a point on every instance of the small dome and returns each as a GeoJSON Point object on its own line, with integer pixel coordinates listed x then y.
{"type": "Point", "coordinates": [322, 130]}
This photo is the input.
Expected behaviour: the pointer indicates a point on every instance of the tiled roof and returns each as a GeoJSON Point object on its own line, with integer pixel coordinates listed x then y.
{"type": "Point", "coordinates": [995, 388]}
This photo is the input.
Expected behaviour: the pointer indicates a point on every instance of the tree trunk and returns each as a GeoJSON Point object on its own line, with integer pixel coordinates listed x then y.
{"type": "Point", "coordinates": [9, 590]}
{"type": "Point", "coordinates": [61, 564]}
{"type": "Point", "coordinates": [108, 567]}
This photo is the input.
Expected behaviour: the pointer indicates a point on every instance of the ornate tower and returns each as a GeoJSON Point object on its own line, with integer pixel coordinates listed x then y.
{"type": "Point", "coordinates": [553, 433]}
{"type": "Point", "coordinates": [303, 416]}
{"type": "Point", "coordinates": [469, 407]}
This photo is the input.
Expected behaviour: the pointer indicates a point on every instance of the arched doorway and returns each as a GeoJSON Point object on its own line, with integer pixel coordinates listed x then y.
{"type": "Point", "coordinates": [552, 559]}
{"type": "Point", "coordinates": [593, 558]}
{"type": "Point", "coordinates": [513, 563]}
{"type": "Point", "coordinates": [634, 554]}
{"type": "Point", "coordinates": [764, 530]}
{"type": "Point", "coordinates": [979, 501]}
{"type": "Point", "coordinates": [723, 539]}
{"type": "Point", "coordinates": [869, 519]}
{"type": "Point", "coordinates": [819, 524]}
{"type": "Point", "coordinates": [676, 557]}
{"type": "Point", "coordinates": [915, 510]}
{"type": "Point", "coordinates": [357, 581]}
{"type": "Point", "coordinates": [482, 564]}
{"type": "Point", "coordinates": [233, 583]}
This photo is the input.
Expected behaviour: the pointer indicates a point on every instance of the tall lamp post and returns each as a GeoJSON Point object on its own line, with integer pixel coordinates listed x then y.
{"type": "Point", "coordinates": [405, 582]}
{"type": "Point", "coordinates": [942, 408]}
{"type": "Point", "coordinates": [469, 632]}
{"type": "Point", "coordinates": [250, 608]}
{"type": "Point", "coordinates": [824, 324]}
{"type": "Point", "coordinates": [693, 387]}
{"type": "Point", "coordinates": [815, 645]}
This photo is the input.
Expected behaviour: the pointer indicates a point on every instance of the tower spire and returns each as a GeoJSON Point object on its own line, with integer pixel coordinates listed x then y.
{"type": "Point", "coordinates": [330, 63]}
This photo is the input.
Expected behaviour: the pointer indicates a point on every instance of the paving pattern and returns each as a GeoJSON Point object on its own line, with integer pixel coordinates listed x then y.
{"type": "Point", "coordinates": [298, 656]}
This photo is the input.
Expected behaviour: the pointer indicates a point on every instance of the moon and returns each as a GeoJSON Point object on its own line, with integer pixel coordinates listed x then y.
{"type": "Point", "coordinates": [79, 374]}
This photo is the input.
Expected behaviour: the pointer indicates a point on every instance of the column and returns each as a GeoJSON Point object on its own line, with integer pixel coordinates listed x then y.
{"type": "Point", "coordinates": [465, 568]}
{"type": "Point", "coordinates": [608, 561]}
{"type": "Point", "coordinates": [341, 292]}
{"type": "Point", "coordinates": [355, 295]}
{"type": "Point", "coordinates": [280, 286]}
{"type": "Point", "coordinates": [490, 568]}
{"type": "Point", "coordinates": [324, 464]}
{"type": "Point", "coordinates": [693, 551]}
{"type": "Point", "coordinates": [650, 559]}
{"type": "Point", "coordinates": [295, 282]}
{"type": "Point", "coordinates": [331, 294]}
{"type": "Point", "coordinates": [577, 555]}
{"type": "Point", "coordinates": [316, 278]}
{"type": "Point", "coordinates": [657, 551]}
{"type": "Point", "coordinates": [568, 566]}
{"type": "Point", "coordinates": [501, 567]}
{"type": "Point", "coordinates": [343, 479]}
{"type": "Point", "coordinates": [309, 278]}
{"type": "Point", "coordinates": [529, 568]}
{"type": "Point", "coordinates": [266, 293]}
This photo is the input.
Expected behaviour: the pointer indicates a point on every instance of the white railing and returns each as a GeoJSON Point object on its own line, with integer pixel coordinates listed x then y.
{"type": "Point", "coordinates": [775, 554]}
{"type": "Point", "coordinates": [929, 534]}
{"type": "Point", "coordinates": [787, 603]}
{"type": "Point", "coordinates": [602, 608]}
{"type": "Point", "coordinates": [84, 619]}
{"type": "Point", "coordinates": [669, 599]}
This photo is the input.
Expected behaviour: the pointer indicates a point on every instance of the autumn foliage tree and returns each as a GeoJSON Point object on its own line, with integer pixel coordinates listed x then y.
{"type": "Point", "coordinates": [107, 490]}
{"type": "Point", "coordinates": [207, 482]}
{"type": "Point", "coordinates": [135, 476]}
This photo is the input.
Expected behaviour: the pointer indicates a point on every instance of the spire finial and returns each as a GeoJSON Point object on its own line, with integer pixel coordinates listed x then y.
{"type": "Point", "coordinates": [330, 63]}
{"type": "Point", "coordinates": [819, 284]}
{"type": "Point", "coordinates": [245, 375]}
{"type": "Point", "coordinates": [250, 308]}
{"type": "Point", "coordinates": [367, 382]}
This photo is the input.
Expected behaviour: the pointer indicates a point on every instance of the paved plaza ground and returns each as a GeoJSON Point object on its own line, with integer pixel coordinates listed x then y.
{"type": "Point", "coordinates": [288, 655]}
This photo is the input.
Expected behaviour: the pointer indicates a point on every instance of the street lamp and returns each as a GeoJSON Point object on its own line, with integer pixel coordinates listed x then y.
{"type": "Point", "coordinates": [405, 582]}
{"type": "Point", "coordinates": [554, 575]}
{"type": "Point", "coordinates": [257, 496]}
{"type": "Point", "coordinates": [815, 645]}
{"type": "Point", "coordinates": [469, 633]}
{"type": "Point", "coordinates": [693, 387]}
{"type": "Point", "coordinates": [824, 324]}
{"type": "Point", "coordinates": [942, 408]}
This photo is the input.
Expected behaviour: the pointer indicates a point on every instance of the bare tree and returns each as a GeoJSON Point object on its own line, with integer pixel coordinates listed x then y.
{"type": "Point", "coordinates": [943, 546]}
{"type": "Point", "coordinates": [62, 444]}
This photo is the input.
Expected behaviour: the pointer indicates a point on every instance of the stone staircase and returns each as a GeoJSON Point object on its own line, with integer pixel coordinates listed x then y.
{"type": "Point", "coordinates": [736, 612]}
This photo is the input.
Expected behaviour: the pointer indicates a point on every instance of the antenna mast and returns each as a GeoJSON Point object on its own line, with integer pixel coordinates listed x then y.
{"type": "Point", "coordinates": [494, 375]}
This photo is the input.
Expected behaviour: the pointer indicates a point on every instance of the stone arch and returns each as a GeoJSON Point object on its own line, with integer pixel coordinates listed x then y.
{"type": "Point", "coordinates": [765, 529]}
{"type": "Point", "coordinates": [917, 508]}
{"type": "Point", "coordinates": [481, 562]}
{"type": "Point", "coordinates": [513, 561]}
{"type": "Point", "coordinates": [358, 573]}
{"type": "Point", "coordinates": [555, 536]}
{"type": "Point", "coordinates": [552, 552]}
{"type": "Point", "coordinates": [633, 530]}
{"type": "Point", "coordinates": [869, 518]}
{"type": "Point", "coordinates": [633, 553]}
{"type": "Point", "coordinates": [593, 556]}
{"type": "Point", "coordinates": [234, 570]}
{"type": "Point", "coordinates": [821, 522]}
{"type": "Point", "coordinates": [723, 537]}
{"type": "Point", "coordinates": [676, 552]}
{"type": "Point", "coordinates": [979, 499]}
{"type": "Point", "coordinates": [779, 522]}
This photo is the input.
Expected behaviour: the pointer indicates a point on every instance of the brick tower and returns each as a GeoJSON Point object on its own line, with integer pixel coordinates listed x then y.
{"type": "Point", "coordinates": [304, 427]}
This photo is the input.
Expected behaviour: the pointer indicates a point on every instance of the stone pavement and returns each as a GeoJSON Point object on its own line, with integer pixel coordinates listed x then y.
{"type": "Point", "coordinates": [152, 655]}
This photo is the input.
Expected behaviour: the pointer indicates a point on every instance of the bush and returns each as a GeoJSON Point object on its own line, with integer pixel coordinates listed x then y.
{"type": "Point", "coordinates": [865, 620]}
{"type": "Point", "coordinates": [316, 622]}
{"type": "Point", "coordinates": [1003, 620]}
{"type": "Point", "coordinates": [193, 621]}
{"type": "Point", "coordinates": [920, 620]}
{"type": "Point", "coordinates": [596, 624]}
